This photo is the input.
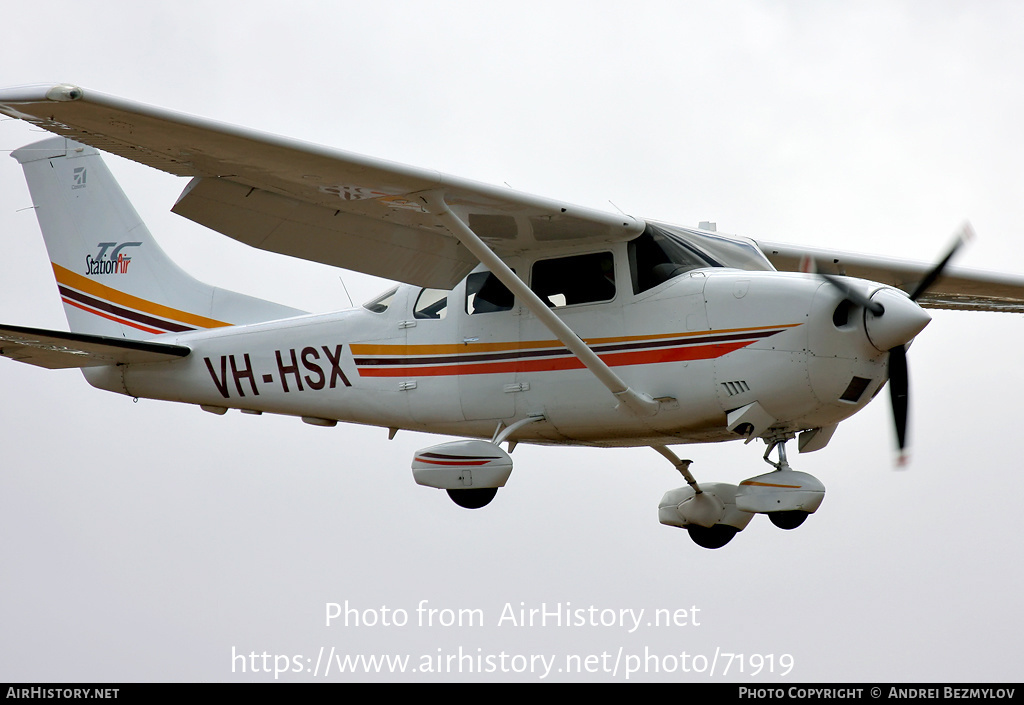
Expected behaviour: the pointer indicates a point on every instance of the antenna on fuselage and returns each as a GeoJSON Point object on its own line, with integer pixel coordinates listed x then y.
{"type": "Point", "coordinates": [351, 303]}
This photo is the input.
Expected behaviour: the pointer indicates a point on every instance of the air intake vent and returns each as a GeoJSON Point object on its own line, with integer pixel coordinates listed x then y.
{"type": "Point", "coordinates": [735, 388]}
{"type": "Point", "coordinates": [855, 390]}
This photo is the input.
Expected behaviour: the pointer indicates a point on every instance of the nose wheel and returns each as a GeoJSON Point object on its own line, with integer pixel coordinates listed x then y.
{"type": "Point", "coordinates": [775, 493]}
{"type": "Point", "coordinates": [787, 519]}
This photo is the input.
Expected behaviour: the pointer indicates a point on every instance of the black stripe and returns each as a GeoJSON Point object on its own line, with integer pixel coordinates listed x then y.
{"type": "Point", "coordinates": [443, 456]}
{"type": "Point", "coordinates": [123, 312]}
{"type": "Point", "coordinates": [561, 352]}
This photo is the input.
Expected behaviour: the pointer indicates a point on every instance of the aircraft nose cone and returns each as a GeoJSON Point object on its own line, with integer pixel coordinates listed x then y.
{"type": "Point", "coordinates": [898, 324]}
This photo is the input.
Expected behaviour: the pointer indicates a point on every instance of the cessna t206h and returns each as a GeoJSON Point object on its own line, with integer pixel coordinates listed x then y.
{"type": "Point", "coordinates": [518, 319]}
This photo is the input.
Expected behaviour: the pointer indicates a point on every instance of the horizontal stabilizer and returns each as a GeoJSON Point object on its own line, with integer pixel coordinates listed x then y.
{"type": "Point", "coordinates": [57, 350]}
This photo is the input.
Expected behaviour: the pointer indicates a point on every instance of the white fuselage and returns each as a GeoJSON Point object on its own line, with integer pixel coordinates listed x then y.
{"type": "Point", "coordinates": [706, 342]}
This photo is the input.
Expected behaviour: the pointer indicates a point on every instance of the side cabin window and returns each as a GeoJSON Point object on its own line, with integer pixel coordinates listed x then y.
{"type": "Point", "coordinates": [431, 303]}
{"type": "Point", "coordinates": [579, 279]}
{"type": "Point", "coordinates": [486, 294]}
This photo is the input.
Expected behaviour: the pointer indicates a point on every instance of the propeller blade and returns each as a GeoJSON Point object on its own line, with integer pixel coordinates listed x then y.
{"type": "Point", "coordinates": [899, 384]}
{"type": "Point", "coordinates": [965, 234]}
{"type": "Point", "coordinates": [899, 391]}
{"type": "Point", "coordinates": [853, 295]}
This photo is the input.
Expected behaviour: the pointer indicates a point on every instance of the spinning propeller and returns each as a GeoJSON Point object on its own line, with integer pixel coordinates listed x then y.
{"type": "Point", "coordinates": [891, 321]}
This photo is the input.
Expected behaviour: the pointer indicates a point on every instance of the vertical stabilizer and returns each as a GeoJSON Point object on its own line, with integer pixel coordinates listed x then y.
{"type": "Point", "coordinates": [114, 279]}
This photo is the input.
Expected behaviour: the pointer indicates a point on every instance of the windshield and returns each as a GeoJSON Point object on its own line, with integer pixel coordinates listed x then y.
{"type": "Point", "coordinates": [666, 251]}
{"type": "Point", "coordinates": [381, 303]}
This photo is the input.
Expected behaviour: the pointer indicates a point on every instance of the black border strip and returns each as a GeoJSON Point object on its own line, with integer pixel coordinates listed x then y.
{"type": "Point", "coordinates": [123, 312]}
{"type": "Point", "coordinates": [562, 352]}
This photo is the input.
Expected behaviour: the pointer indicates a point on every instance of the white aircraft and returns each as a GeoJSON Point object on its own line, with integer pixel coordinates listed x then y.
{"type": "Point", "coordinates": [519, 319]}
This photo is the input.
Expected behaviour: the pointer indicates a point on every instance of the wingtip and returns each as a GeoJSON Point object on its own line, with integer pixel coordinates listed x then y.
{"type": "Point", "coordinates": [64, 92]}
{"type": "Point", "coordinates": [41, 92]}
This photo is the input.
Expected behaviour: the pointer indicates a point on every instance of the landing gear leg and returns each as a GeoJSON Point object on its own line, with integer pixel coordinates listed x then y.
{"type": "Point", "coordinates": [779, 443]}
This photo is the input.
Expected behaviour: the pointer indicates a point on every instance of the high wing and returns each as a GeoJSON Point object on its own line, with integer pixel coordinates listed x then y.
{"type": "Point", "coordinates": [956, 289]}
{"type": "Point", "coordinates": [313, 202]}
{"type": "Point", "coordinates": [367, 214]}
{"type": "Point", "coordinates": [57, 350]}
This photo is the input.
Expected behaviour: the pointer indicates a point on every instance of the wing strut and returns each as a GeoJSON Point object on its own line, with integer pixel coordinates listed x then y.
{"type": "Point", "coordinates": [638, 402]}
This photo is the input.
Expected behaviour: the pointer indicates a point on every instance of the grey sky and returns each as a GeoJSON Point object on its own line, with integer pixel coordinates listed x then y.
{"type": "Point", "coordinates": [145, 541]}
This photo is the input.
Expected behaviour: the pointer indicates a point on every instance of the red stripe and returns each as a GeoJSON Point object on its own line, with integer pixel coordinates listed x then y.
{"type": "Point", "coordinates": [452, 462]}
{"type": "Point", "coordinates": [639, 357]}
{"type": "Point", "coordinates": [109, 317]}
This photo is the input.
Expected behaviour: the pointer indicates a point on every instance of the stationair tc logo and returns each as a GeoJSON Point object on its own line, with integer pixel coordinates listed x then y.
{"type": "Point", "coordinates": [116, 263]}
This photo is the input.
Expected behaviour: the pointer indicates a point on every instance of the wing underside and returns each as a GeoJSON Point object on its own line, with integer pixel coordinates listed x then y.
{"type": "Point", "coordinates": [367, 214]}
{"type": "Point", "coordinates": [312, 202]}
{"type": "Point", "coordinates": [956, 289]}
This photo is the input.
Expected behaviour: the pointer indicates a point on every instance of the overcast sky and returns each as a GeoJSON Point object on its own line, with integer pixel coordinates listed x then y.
{"type": "Point", "coordinates": [148, 541]}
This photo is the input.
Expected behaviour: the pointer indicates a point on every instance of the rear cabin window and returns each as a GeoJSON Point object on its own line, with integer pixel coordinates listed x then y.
{"type": "Point", "coordinates": [580, 279]}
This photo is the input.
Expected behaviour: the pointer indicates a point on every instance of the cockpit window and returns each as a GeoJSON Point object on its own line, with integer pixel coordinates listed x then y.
{"type": "Point", "coordinates": [381, 303]}
{"type": "Point", "coordinates": [663, 252]}
{"type": "Point", "coordinates": [486, 294]}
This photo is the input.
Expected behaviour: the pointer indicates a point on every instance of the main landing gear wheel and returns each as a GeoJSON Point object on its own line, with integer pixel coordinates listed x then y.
{"type": "Point", "coordinates": [473, 499]}
{"type": "Point", "coordinates": [711, 537]}
{"type": "Point", "coordinates": [788, 520]}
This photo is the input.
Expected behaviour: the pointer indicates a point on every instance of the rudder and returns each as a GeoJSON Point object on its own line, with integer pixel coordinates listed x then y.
{"type": "Point", "coordinates": [113, 277]}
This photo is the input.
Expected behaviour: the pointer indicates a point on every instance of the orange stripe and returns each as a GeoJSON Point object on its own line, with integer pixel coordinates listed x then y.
{"type": "Point", "coordinates": [768, 484]}
{"type": "Point", "coordinates": [457, 348]}
{"type": "Point", "coordinates": [77, 281]}
{"type": "Point", "coordinates": [661, 336]}
{"type": "Point", "coordinates": [449, 349]}
{"type": "Point", "coordinates": [652, 357]}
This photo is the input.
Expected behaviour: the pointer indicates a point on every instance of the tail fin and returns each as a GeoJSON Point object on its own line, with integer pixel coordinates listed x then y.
{"type": "Point", "coordinates": [113, 277]}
